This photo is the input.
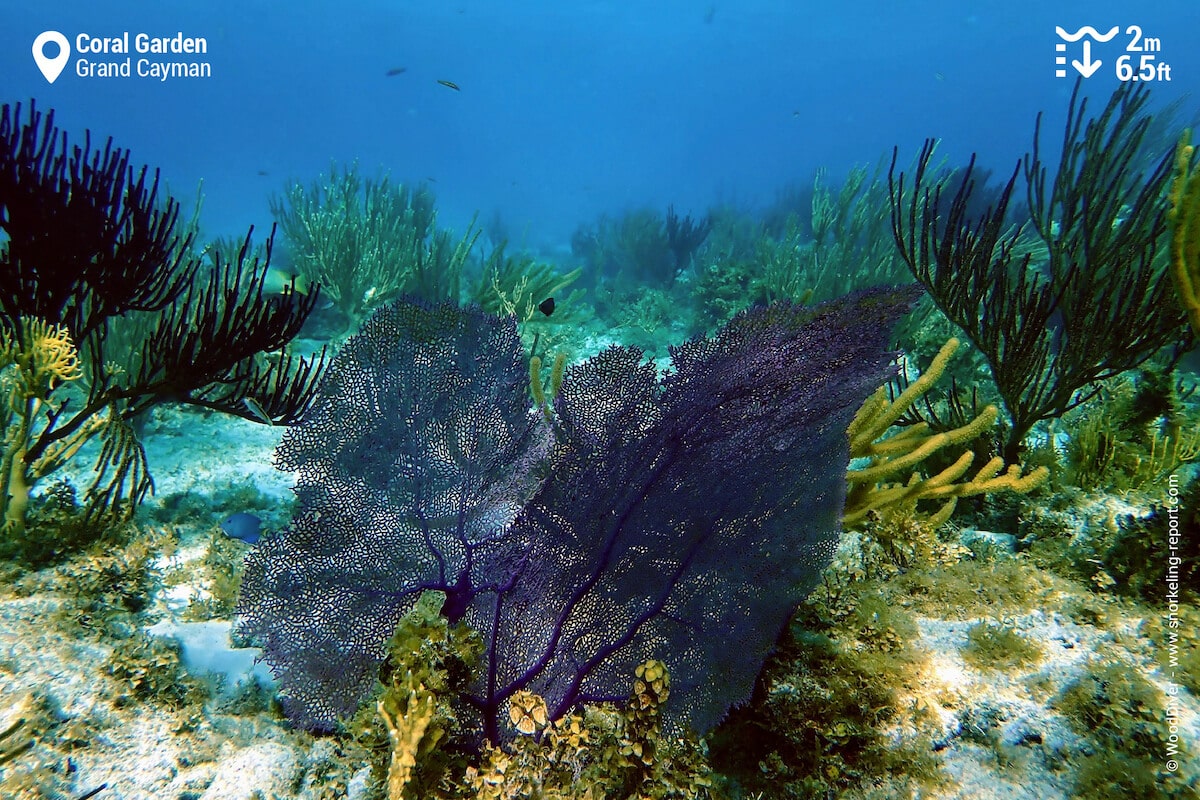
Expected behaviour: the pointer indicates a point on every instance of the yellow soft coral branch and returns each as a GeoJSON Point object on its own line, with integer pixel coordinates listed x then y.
{"type": "Point", "coordinates": [904, 451]}
{"type": "Point", "coordinates": [32, 365]}
{"type": "Point", "coordinates": [540, 399]}
{"type": "Point", "coordinates": [43, 355]}
{"type": "Point", "coordinates": [1184, 214]}
{"type": "Point", "coordinates": [875, 486]}
{"type": "Point", "coordinates": [407, 719]}
{"type": "Point", "coordinates": [54, 354]}
{"type": "Point", "coordinates": [878, 415]}
{"type": "Point", "coordinates": [888, 496]}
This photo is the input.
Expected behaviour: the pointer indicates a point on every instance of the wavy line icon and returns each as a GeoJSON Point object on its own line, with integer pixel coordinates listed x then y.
{"type": "Point", "coordinates": [1086, 30]}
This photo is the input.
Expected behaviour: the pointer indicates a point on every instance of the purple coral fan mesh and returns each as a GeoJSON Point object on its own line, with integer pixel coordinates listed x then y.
{"type": "Point", "coordinates": [680, 517]}
{"type": "Point", "coordinates": [417, 452]}
{"type": "Point", "coordinates": [685, 518]}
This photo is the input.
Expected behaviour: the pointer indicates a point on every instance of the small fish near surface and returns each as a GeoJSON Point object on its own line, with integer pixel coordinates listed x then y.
{"type": "Point", "coordinates": [243, 526]}
{"type": "Point", "coordinates": [394, 71]}
{"type": "Point", "coordinates": [450, 85]}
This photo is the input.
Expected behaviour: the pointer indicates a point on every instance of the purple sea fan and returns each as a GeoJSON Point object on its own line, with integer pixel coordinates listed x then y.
{"type": "Point", "coordinates": [416, 454]}
{"type": "Point", "coordinates": [684, 518]}
{"type": "Point", "coordinates": [681, 518]}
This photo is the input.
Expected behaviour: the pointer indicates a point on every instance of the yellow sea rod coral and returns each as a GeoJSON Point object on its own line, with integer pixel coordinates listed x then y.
{"type": "Point", "coordinates": [407, 719]}
{"type": "Point", "coordinates": [59, 358]}
{"type": "Point", "coordinates": [33, 363]}
{"type": "Point", "coordinates": [882, 483]}
{"type": "Point", "coordinates": [1185, 235]}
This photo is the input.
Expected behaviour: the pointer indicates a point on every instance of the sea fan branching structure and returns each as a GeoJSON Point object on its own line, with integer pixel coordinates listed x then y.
{"type": "Point", "coordinates": [681, 516]}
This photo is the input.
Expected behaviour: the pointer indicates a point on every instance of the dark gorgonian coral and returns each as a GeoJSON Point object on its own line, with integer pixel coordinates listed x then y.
{"type": "Point", "coordinates": [88, 247]}
{"type": "Point", "coordinates": [1099, 304]}
{"type": "Point", "coordinates": [680, 517]}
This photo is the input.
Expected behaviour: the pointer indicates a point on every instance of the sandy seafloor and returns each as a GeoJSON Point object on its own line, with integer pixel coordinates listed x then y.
{"type": "Point", "coordinates": [143, 751]}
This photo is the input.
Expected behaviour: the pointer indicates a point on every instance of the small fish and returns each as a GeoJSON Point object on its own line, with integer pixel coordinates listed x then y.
{"type": "Point", "coordinates": [262, 173]}
{"type": "Point", "coordinates": [546, 306]}
{"type": "Point", "coordinates": [1057, 327]}
{"type": "Point", "coordinates": [394, 71]}
{"type": "Point", "coordinates": [280, 281]}
{"type": "Point", "coordinates": [243, 526]}
{"type": "Point", "coordinates": [258, 411]}
{"type": "Point", "coordinates": [449, 85]}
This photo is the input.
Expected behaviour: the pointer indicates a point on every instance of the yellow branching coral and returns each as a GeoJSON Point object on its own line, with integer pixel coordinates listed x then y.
{"type": "Point", "coordinates": [540, 398]}
{"type": "Point", "coordinates": [33, 364]}
{"type": "Point", "coordinates": [1185, 236]}
{"type": "Point", "coordinates": [519, 285]}
{"type": "Point", "coordinates": [407, 718]}
{"type": "Point", "coordinates": [43, 355]}
{"type": "Point", "coordinates": [882, 484]}
{"type": "Point", "coordinates": [416, 705]}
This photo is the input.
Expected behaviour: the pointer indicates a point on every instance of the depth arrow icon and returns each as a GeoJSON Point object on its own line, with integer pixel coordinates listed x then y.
{"type": "Point", "coordinates": [1087, 66]}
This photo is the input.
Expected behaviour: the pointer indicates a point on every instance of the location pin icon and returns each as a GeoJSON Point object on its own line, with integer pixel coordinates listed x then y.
{"type": "Point", "coordinates": [51, 67]}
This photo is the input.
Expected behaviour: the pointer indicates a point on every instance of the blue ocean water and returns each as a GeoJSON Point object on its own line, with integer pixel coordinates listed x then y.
{"type": "Point", "coordinates": [567, 110]}
{"type": "Point", "coordinates": [546, 116]}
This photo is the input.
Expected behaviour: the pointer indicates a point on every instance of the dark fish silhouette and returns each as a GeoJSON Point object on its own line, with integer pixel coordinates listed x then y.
{"type": "Point", "coordinates": [394, 71]}
{"type": "Point", "coordinates": [546, 306]}
{"type": "Point", "coordinates": [449, 85]}
{"type": "Point", "coordinates": [241, 525]}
